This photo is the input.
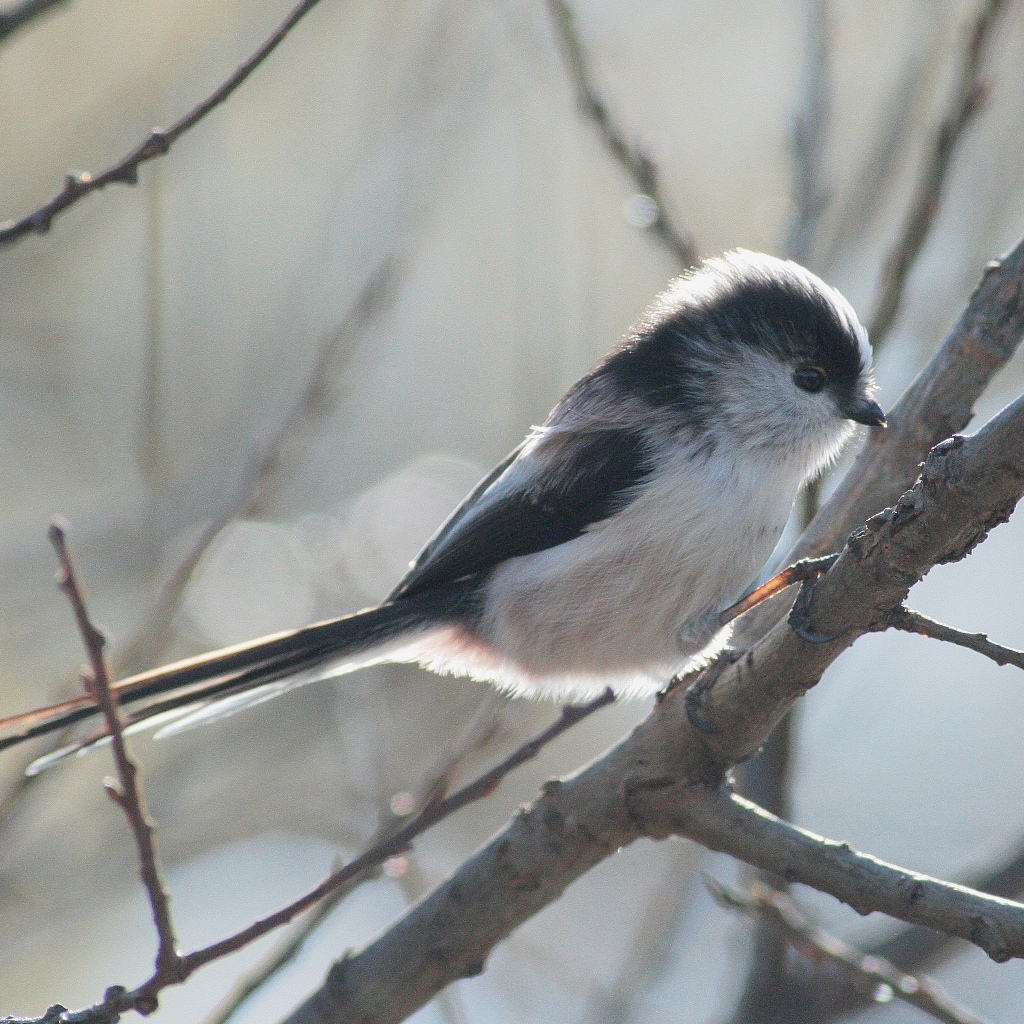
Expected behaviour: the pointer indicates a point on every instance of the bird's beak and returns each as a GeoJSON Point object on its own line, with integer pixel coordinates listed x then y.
{"type": "Point", "coordinates": [863, 410]}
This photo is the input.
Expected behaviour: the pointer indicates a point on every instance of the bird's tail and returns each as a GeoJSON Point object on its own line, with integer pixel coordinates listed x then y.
{"type": "Point", "coordinates": [221, 682]}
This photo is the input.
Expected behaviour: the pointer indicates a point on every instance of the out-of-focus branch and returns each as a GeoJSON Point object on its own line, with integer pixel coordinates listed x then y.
{"type": "Point", "coordinates": [968, 97]}
{"type": "Point", "coordinates": [665, 778]}
{"type": "Point", "coordinates": [857, 205]}
{"type": "Point", "coordinates": [17, 15]}
{"type": "Point", "coordinates": [877, 979]}
{"type": "Point", "coordinates": [651, 952]}
{"type": "Point", "coordinates": [914, 622]}
{"type": "Point", "coordinates": [434, 785]}
{"type": "Point", "coordinates": [307, 409]}
{"type": "Point", "coordinates": [126, 792]}
{"type": "Point", "coordinates": [642, 171]}
{"type": "Point", "coordinates": [118, 1000]}
{"type": "Point", "coordinates": [126, 171]}
{"type": "Point", "coordinates": [810, 132]}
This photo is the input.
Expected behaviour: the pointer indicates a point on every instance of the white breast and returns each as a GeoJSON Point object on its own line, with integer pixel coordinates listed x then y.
{"type": "Point", "coordinates": [633, 600]}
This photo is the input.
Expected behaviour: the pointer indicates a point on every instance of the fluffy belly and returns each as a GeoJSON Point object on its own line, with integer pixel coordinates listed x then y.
{"type": "Point", "coordinates": [604, 610]}
{"type": "Point", "coordinates": [627, 604]}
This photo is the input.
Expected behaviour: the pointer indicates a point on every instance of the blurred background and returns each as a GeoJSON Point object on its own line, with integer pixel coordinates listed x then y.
{"type": "Point", "coordinates": [256, 382]}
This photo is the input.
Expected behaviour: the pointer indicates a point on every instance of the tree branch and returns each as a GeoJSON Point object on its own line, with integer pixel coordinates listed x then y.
{"type": "Point", "coordinates": [126, 170]}
{"type": "Point", "coordinates": [912, 949]}
{"type": "Point", "coordinates": [433, 787]}
{"type": "Point", "coordinates": [968, 98]}
{"type": "Point", "coordinates": [640, 167]}
{"type": "Point", "coordinates": [939, 403]}
{"type": "Point", "coordinates": [17, 15]}
{"type": "Point", "coordinates": [664, 779]}
{"type": "Point", "coordinates": [127, 791]}
{"type": "Point", "coordinates": [260, 467]}
{"type": "Point", "coordinates": [810, 130]}
{"type": "Point", "coordinates": [871, 975]}
{"type": "Point", "coordinates": [914, 622]}
{"type": "Point", "coordinates": [118, 1000]}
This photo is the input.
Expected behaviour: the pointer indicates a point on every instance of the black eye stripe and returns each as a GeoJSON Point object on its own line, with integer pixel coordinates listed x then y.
{"type": "Point", "coordinates": [809, 378]}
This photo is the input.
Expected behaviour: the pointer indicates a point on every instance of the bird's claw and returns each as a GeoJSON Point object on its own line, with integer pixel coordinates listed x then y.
{"type": "Point", "coordinates": [695, 699]}
{"type": "Point", "coordinates": [800, 613]}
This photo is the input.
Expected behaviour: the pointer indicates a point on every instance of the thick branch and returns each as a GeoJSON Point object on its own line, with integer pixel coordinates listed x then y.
{"type": "Point", "coordinates": [938, 404]}
{"type": "Point", "coordinates": [664, 778]}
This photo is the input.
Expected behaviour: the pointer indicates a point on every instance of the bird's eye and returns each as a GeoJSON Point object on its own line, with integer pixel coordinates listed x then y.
{"type": "Point", "coordinates": [810, 378]}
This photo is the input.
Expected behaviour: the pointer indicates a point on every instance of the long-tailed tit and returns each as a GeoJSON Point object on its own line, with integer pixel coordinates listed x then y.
{"type": "Point", "coordinates": [603, 550]}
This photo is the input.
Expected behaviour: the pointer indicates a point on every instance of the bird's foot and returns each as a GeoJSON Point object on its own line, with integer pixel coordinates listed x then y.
{"type": "Point", "coordinates": [800, 613]}
{"type": "Point", "coordinates": [807, 570]}
{"type": "Point", "coordinates": [697, 695]}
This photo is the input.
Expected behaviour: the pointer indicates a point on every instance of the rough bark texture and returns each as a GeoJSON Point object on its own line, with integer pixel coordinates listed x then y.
{"type": "Point", "coordinates": [666, 777]}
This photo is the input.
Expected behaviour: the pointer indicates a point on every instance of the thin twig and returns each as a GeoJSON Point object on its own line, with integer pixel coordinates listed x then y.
{"type": "Point", "coordinates": [811, 196]}
{"type": "Point", "coordinates": [877, 978]}
{"type": "Point", "coordinates": [143, 999]}
{"type": "Point", "coordinates": [17, 15]}
{"type": "Point", "coordinates": [126, 792]}
{"type": "Point", "coordinates": [126, 171]}
{"type": "Point", "coordinates": [262, 464]}
{"type": "Point", "coordinates": [968, 98]}
{"type": "Point", "coordinates": [639, 165]}
{"type": "Point", "coordinates": [398, 843]}
{"type": "Point", "coordinates": [434, 785]}
{"type": "Point", "coordinates": [914, 622]}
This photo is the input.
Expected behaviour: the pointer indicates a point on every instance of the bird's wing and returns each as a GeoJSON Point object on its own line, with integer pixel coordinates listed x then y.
{"type": "Point", "coordinates": [548, 491]}
{"type": "Point", "coordinates": [545, 493]}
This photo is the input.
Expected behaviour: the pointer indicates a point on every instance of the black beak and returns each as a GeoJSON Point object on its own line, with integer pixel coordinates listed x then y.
{"type": "Point", "coordinates": [863, 410]}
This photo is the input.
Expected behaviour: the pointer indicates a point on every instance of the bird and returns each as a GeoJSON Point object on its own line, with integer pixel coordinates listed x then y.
{"type": "Point", "coordinates": [607, 550]}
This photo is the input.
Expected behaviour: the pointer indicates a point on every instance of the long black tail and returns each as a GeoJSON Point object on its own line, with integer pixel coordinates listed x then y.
{"type": "Point", "coordinates": [248, 666]}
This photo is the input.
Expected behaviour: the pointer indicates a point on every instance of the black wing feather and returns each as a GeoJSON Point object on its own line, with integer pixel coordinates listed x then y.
{"type": "Point", "coordinates": [596, 470]}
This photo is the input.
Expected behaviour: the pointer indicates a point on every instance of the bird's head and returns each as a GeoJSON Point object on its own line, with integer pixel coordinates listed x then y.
{"type": "Point", "coordinates": [759, 357]}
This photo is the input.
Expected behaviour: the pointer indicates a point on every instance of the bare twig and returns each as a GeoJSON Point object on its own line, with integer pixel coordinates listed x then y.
{"type": "Point", "coordinates": [118, 1000]}
{"type": "Point", "coordinates": [259, 470]}
{"type": "Point", "coordinates": [639, 165]}
{"type": "Point", "coordinates": [17, 15]}
{"type": "Point", "coordinates": [877, 979]}
{"type": "Point", "coordinates": [968, 98]}
{"type": "Point", "coordinates": [126, 170]}
{"type": "Point", "coordinates": [399, 842]}
{"type": "Point", "coordinates": [126, 792]}
{"type": "Point", "coordinates": [433, 787]}
{"type": "Point", "coordinates": [914, 622]}
{"type": "Point", "coordinates": [810, 129]}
